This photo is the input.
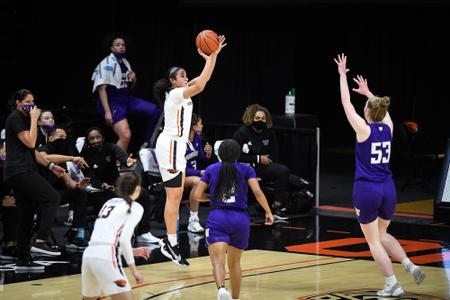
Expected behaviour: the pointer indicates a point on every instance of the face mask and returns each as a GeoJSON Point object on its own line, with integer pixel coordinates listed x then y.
{"type": "Point", "coordinates": [97, 146]}
{"type": "Point", "coordinates": [47, 128]}
{"type": "Point", "coordinates": [59, 146]}
{"type": "Point", "coordinates": [28, 107]}
{"type": "Point", "coordinates": [259, 125]}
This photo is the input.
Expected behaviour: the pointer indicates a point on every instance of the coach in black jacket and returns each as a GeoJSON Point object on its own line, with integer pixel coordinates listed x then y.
{"type": "Point", "coordinates": [260, 148]}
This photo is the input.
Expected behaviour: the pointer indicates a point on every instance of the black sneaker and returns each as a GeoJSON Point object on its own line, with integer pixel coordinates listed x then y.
{"type": "Point", "coordinates": [280, 213]}
{"type": "Point", "coordinates": [173, 253]}
{"type": "Point", "coordinates": [27, 265]}
{"type": "Point", "coordinates": [9, 253]}
{"type": "Point", "coordinates": [45, 248]}
{"type": "Point", "coordinates": [76, 243]}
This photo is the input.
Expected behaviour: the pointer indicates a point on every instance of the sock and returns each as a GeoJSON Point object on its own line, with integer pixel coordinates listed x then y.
{"type": "Point", "coordinates": [391, 280]}
{"type": "Point", "coordinates": [194, 214]}
{"type": "Point", "coordinates": [408, 264]}
{"type": "Point", "coordinates": [172, 239]}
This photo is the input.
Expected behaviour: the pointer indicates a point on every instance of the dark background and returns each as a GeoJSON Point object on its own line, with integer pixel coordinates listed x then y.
{"type": "Point", "coordinates": [401, 46]}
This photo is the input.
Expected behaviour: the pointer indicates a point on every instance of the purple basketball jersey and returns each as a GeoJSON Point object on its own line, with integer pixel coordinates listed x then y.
{"type": "Point", "coordinates": [239, 199]}
{"type": "Point", "coordinates": [372, 156]}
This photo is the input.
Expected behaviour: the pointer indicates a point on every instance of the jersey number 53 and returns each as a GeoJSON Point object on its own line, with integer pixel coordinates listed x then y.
{"type": "Point", "coordinates": [380, 152]}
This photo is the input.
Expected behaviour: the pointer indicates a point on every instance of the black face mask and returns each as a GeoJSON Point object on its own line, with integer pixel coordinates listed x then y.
{"type": "Point", "coordinates": [59, 146]}
{"type": "Point", "coordinates": [97, 147]}
{"type": "Point", "coordinates": [259, 125]}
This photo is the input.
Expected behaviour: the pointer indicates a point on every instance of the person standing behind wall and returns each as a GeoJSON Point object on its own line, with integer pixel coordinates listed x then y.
{"type": "Point", "coordinates": [111, 79]}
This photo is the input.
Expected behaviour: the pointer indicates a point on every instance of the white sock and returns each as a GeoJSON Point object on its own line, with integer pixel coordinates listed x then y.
{"type": "Point", "coordinates": [391, 280]}
{"type": "Point", "coordinates": [172, 239]}
{"type": "Point", "coordinates": [194, 214]}
{"type": "Point", "coordinates": [407, 263]}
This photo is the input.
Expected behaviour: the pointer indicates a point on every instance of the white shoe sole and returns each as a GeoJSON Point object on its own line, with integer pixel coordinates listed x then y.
{"type": "Point", "coordinates": [167, 254]}
{"type": "Point", "coordinates": [152, 241]}
{"type": "Point", "coordinates": [397, 292]}
{"type": "Point", "coordinates": [280, 218]}
{"type": "Point", "coordinates": [38, 250]}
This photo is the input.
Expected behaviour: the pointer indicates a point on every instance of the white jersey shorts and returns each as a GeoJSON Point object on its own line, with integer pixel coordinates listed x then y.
{"type": "Point", "coordinates": [170, 154]}
{"type": "Point", "coordinates": [101, 272]}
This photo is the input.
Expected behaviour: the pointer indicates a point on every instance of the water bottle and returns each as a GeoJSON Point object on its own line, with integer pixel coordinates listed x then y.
{"type": "Point", "coordinates": [290, 102]}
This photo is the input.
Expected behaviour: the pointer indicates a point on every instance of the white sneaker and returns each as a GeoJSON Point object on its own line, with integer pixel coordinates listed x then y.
{"type": "Point", "coordinates": [194, 226]}
{"type": "Point", "coordinates": [223, 294]}
{"type": "Point", "coordinates": [391, 290]}
{"type": "Point", "coordinates": [69, 218]}
{"type": "Point", "coordinates": [148, 238]}
{"type": "Point", "coordinates": [417, 274]}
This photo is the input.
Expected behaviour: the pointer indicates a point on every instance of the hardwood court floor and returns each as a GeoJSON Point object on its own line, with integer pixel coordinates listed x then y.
{"type": "Point", "coordinates": [267, 275]}
{"type": "Point", "coordinates": [311, 257]}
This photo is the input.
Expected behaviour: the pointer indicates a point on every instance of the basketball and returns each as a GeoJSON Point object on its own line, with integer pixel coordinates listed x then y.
{"type": "Point", "coordinates": [207, 41]}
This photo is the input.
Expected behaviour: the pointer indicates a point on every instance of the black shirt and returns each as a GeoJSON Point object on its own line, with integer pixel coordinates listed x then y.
{"type": "Point", "coordinates": [102, 164]}
{"type": "Point", "coordinates": [253, 143]}
{"type": "Point", "coordinates": [54, 180]}
{"type": "Point", "coordinates": [19, 158]}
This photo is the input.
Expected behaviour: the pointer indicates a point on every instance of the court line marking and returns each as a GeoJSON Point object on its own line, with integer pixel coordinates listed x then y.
{"type": "Point", "coordinates": [245, 270]}
{"type": "Point", "coordinates": [248, 275]}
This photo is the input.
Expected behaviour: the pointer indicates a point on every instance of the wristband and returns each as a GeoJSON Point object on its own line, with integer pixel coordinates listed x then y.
{"type": "Point", "coordinates": [50, 165]}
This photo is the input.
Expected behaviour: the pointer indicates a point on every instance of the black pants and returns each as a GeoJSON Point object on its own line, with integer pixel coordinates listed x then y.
{"type": "Point", "coordinates": [279, 174]}
{"type": "Point", "coordinates": [77, 200]}
{"type": "Point", "coordinates": [9, 219]}
{"type": "Point", "coordinates": [144, 200]}
{"type": "Point", "coordinates": [32, 191]}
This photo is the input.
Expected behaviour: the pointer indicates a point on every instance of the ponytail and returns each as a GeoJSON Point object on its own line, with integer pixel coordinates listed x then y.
{"type": "Point", "coordinates": [126, 185]}
{"type": "Point", "coordinates": [228, 178]}
{"type": "Point", "coordinates": [160, 88]}
{"type": "Point", "coordinates": [163, 85]}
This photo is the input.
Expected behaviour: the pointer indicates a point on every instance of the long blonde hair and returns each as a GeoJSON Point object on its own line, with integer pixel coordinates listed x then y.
{"type": "Point", "coordinates": [378, 107]}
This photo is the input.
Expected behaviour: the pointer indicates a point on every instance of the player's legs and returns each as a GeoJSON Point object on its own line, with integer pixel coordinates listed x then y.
{"type": "Point", "coordinates": [173, 199]}
{"type": "Point", "coordinates": [234, 265]}
{"type": "Point", "coordinates": [122, 129]}
{"type": "Point", "coordinates": [217, 254]}
{"type": "Point", "coordinates": [372, 235]}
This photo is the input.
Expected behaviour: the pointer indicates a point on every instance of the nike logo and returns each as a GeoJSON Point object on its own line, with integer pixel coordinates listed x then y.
{"type": "Point", "coordinates": [177, 257]}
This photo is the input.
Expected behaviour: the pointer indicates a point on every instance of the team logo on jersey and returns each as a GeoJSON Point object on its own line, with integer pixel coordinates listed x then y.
{"type": "Point", "coordinates": [363, 294]}
{"type": "Point", "coordinates": [121, 282]}
{"type": "Point", "coordinates": [265, 142]}
{"type": "Point", "coordinates": [380, 128]}
{"type": "Point", "coordinates": [189, 103]}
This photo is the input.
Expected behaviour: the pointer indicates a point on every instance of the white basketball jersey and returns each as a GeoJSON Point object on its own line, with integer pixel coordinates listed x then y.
{"type": "Point", "coordinates": [115, 226]}
{"type": "Point", "coordinates": [177, 115]}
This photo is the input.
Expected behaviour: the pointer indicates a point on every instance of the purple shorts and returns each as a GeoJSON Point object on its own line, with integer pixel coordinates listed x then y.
{"type": "Point", "coordinates": [122, 105]}
{"type": "Point", "coordinates": [374, 199]}
{"type": "Point", "coordinates": [229, 226]}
